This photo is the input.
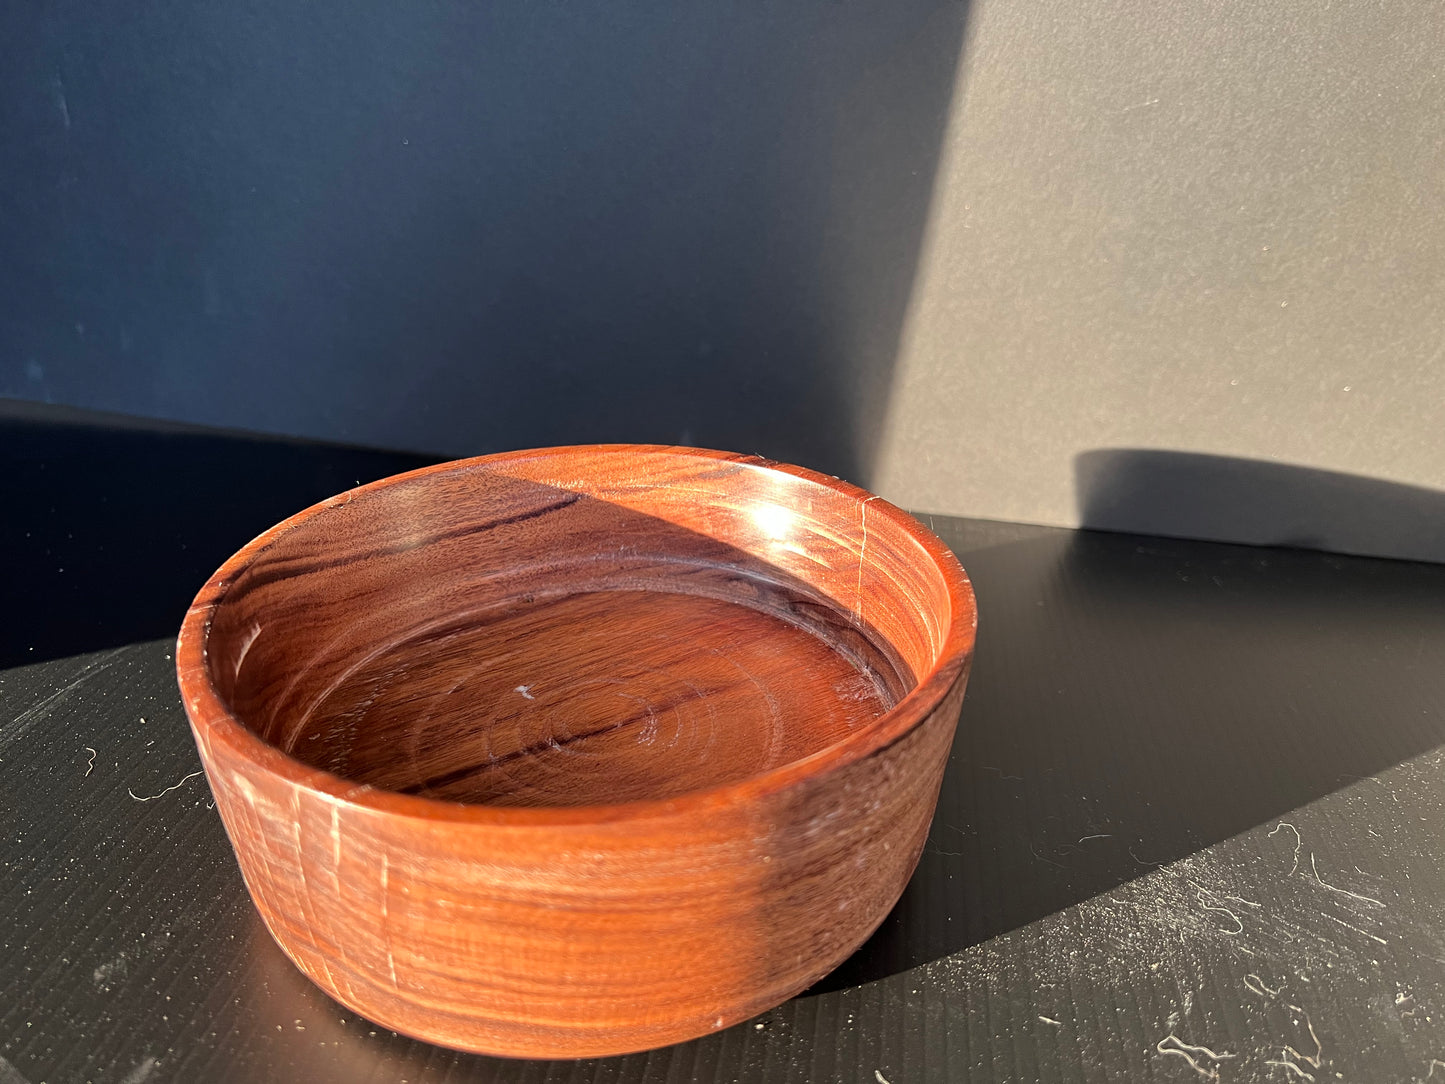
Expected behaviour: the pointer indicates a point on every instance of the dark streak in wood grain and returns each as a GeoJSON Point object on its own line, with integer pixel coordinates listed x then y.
{"type": "Point", "coordinates": [277, 574]}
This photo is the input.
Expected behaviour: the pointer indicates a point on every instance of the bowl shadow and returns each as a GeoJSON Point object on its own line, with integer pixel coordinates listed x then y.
{"type": "Point", "coordinates": [116, 522]}
{"type": "Point", "coordinates": [1136, 699]}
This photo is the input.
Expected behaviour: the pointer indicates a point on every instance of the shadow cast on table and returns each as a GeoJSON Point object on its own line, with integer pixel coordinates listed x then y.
{"type": "Point", "coordinates": [1135, 699]}
{"type": "Point", "coordinates": [113, 525]}
{"type": "Point", "coordinates": [1262, 503]}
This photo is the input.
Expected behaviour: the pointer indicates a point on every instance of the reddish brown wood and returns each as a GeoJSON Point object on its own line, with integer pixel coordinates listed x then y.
{"type": "Point", "coordinates": [583, 750]}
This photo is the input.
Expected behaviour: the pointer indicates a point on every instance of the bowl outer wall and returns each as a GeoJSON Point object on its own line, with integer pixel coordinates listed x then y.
{"type": "Point", "coordinates": [588, 930]}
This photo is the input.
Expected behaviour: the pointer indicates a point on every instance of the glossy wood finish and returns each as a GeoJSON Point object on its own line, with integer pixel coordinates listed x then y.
{"type": "Point", "coordinates": [582, 750]}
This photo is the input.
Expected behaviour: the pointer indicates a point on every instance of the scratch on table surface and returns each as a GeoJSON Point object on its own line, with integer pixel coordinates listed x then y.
{"type": "Point", "coordinates": [33, 714]}
{"type": "Point", "coordinates": [1283, 1060]}
{"type": "Point", "coordinates": [1435, 1063]}
{"type": "Point", "coordinates": [1315, 1060]}
{"type": "Point", "coordinates": [1096, 835]}
{"type": "Point", "coordinates": [1341, 891]}
{"type": "Point", "coordinates": [1051, 1020]}
{"type": "Point", "coordinates": [1041, 858]}
{"type": "Point", "coordinates": [1142, 862]}
{"type": "Point", "coordinates": [1259, 987]}
{"type": "Point", "coordinates": [1221, 910]}
{"type": "Point", "coordinates": [1356, 929]}
{"type": "Point", "coordinates": [1298, 843]}
{"type": "Point", "coordinates": [1187, 1052]}
{"type": "Point", "coordinates": [999, 772]}
{"type": "Point", "coordinates": [174, 786]}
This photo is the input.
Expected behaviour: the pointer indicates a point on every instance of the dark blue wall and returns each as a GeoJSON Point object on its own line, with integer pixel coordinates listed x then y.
{"type": "Point", "coordinates": [461, 227]}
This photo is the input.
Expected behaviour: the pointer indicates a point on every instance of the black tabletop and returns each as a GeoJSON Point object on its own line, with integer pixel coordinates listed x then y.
{"type": "Point", "coordinates": [1192, 827]}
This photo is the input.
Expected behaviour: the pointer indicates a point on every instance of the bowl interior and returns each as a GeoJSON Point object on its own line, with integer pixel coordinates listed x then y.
{"type": "Point", "coordinates": [576, 626]}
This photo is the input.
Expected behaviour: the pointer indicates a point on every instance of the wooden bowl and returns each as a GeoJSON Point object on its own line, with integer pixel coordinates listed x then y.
{"type": "Point", "coordinates": [578, 751]}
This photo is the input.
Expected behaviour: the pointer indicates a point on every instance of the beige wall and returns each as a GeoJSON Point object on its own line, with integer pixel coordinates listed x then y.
{"type": "Point", "coordinates": [1202, 228]}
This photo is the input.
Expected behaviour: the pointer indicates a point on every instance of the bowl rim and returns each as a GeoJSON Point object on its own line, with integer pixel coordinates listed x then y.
{"type": "Point", "coordinates": [214, 723]}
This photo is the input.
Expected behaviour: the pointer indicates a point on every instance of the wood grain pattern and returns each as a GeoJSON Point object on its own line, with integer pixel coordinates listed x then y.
{"type": "Point", "coordinates": [583, 750]}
